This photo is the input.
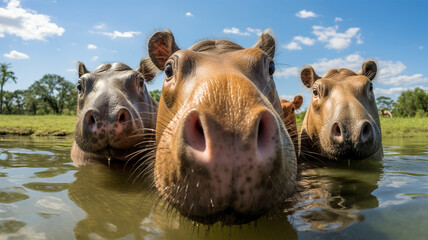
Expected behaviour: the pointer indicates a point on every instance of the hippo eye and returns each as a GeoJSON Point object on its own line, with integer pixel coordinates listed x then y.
{"type": "Point", "coordinates": [168, 70]}
{"type": "Point", "coordinates": [79, 87]}
{"type": "Point", "coordinates": [315, 92]}
{"type": "Point", "coordinates": [271, 68]}
{"type": "Point", "coordinates": [141, 82]}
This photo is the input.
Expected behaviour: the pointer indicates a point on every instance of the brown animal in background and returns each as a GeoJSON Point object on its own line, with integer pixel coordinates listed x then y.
{"type": "Point", "coordinates": [288, 109]}
{"type": "Point", "coordinates": [385, 113]}
{"type": "Point", "coordinates": [223, 153]}
{"type": "Point", "coordinates": [342, 120]}
{"type": "Point", "coordinates": [115, 114]}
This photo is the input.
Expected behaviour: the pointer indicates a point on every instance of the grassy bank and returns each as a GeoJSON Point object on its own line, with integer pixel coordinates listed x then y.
{"type": "Point", "coordinates": [63, 125]}
{"type": "Point", "coordinates": [39, 125]}
{"type": "Point", "coordinates": [396, 127]}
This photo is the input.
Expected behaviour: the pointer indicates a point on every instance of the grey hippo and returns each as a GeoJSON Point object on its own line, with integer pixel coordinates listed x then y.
{"type": "Point", "coordinates": [115, 114]}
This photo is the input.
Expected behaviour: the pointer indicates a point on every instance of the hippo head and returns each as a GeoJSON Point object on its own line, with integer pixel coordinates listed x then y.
{"type": "Point", "coordinates": [115, 113]}
{"type": "Point", "coordinates": [288, 108]}
{"type": "Point", "coordinates": [342, 121]}
{"type": "Point", "coordinates": [223, 152]}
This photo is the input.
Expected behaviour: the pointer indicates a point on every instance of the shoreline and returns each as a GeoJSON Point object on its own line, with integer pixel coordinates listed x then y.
{"type": "Point", "coordinates": [63, 126]}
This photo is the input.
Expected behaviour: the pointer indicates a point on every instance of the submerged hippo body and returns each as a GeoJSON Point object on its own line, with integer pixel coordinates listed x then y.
{"type": "Point", "coordinates": [223, 153]}
{"type": "Point", "coordinates": [342, 121]}
{"type": "Point", "coordinates": [115, 115]}
{"type": "Point", "coordinates": [288, 109]}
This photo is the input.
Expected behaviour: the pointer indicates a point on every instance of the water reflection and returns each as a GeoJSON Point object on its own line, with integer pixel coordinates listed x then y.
{"type": "Point", "coordinates": [43, 196]}
{"type": "Point", "coordinates": [334, 192]}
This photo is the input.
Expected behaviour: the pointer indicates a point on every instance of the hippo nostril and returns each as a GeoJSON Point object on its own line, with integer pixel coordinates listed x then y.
{"type": "Point", "coordinates": [123, 116]}
{"type": "Point", "coordinates": [266, 135]}
{"type": "Point", "coordinates": [366, 133]}
{"type": "Point", "coordinates": [194, 131]}
{"type": "Point", "coordinates": [337, 132]}
{"type": "Point", "coordinates": [92, 120]}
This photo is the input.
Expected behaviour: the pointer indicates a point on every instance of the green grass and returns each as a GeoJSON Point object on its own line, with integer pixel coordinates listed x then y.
{"type": "Point", "coordinates": [63, 125]}
{"type": "Point", "coordinates": [39, 125]}
{"type": "Point", "coordinates": [404, 127]}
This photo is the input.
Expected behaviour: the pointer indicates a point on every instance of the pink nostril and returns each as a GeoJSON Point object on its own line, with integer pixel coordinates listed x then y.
{"type": "Point", "coordinates": [366, 133]}
{"type": "Point", "coordinates": [337, 132]}
{"type": "Point", "coordinates": [194, 131]}
{"type": "Point", "coordinates": [90, 122]}
{"type": "Point", "coordinates": [123, 116]}
{"type": "Point", "coordinates": [266, 135]}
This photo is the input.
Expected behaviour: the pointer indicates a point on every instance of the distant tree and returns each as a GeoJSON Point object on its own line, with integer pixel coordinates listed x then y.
{"type": "Point", "coordinates": [5, 75]}
{"type": "Point", "coordinates": [56, 92]}
{"type": "Point", "coordinates": [411, 102]}
{"type": "Point", "coordinates": [385, 103]}
{"type": "Point", "coordinates": [155, 95]}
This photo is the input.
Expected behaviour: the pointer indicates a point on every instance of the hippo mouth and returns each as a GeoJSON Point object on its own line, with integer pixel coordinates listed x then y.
{"type": "Point", "coordinates": [348, 153]}
{"type": "Point", "coordinates": [228, 216]}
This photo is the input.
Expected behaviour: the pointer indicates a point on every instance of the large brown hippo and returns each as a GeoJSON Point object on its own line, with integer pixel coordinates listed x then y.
{"type": "Point", "coordinates": [223, 152]}
{"type": "Point", "coordinates": [288, 109]}
{"type": "Point", "coordinates": [342, 120]}
{"type": "Point", "coordinates": [115, 114]}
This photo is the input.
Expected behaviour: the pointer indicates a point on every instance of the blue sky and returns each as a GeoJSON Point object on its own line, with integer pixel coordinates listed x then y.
{"type": "Point", "coordinates": [43, 36]}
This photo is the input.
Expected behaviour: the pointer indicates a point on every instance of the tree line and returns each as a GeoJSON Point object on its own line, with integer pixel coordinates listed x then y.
{"type": "Point", "coordinates": [52, 94]}
{"type": "Point", "coordinates": [410, 103]}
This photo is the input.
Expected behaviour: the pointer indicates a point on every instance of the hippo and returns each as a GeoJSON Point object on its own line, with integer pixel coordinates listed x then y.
{"type": "Point", "coordinates": [289, 118]}
{"type": "Point", "coordinates": [223, 152]}
{"type": "Point", "coordinates": [115, 114]}
{"type": "Point", "coordinates": [342, 120]}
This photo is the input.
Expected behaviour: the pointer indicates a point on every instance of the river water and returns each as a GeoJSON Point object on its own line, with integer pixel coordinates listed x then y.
{"type": "Point", "coordinates": [43, 196]}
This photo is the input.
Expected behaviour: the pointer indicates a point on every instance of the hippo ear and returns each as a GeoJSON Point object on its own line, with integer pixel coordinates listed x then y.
{"type": "Point", "coordinates": [81, 69]}
{"type": "Point", "coordinates": [308, 76]}
{"type": "Point", "coordinates": [148, 69]}
{"type": "Point", "coordinates": [298, 101]}
{"type": "Point", "coordinates": [369, 69]}
{"type": "Point", "coordinates": [266, 43]}
{"type": "Point", "coordinates": [161, 46]}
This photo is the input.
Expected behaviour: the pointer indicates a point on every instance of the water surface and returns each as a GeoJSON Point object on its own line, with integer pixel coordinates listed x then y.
{"type": "Point", "coordinates": [43, 196]}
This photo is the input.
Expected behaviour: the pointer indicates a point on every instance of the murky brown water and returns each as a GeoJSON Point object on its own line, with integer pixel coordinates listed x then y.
{"type": "Point", "coordinates": [43, 196]}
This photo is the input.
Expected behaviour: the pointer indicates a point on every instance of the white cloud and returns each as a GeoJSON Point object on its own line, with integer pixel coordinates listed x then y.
{"type": "Point", "coordinates": [421, 47]}
{"type": "Point", "coordinates": [304, 40]}
{"type": "Point", "coordinates": [72, 70]}
{"type": "Point", "coordinates": [189, 14]}
{"type": "Point", "coordinates": [255, 30]}
{"type": "Point", "coordinates": [100, 26]}
{"type": "Point", "coordinates": [405, 80]}
{"type": "Point", "coordinates": [287, 97]}
{"type": "Point", "coordinates": [338, 19]}
{"type": "Point", "coordinates": [388, 69]}
{"type": "Point", "coordinates": [234, 30]}
{"type": "Point", "coordinates": [293, 46]}
{"type": "Point", "coordinates": [297, 40]}
{"type": "Point", "coordinates": [94, 58]}
{"type": "Point", "coordinates": [117, 34]}
{"type": "Point", "coordinates": [16, 55]}
{"type": "Point", "coordinates": [92, 46]}
{"type": "Point", "coordinates": [26, 23]}
{"type": "Point", "coordinates": [287, 72]}
{"type": "Point", "coordinates": [334, 39]}
{"type": "Point", "coordinates": [396, 91]}
{"type": "Point", "coordinates": [306, 14]}
{"type": "Point", "coordinates": [248, 32]}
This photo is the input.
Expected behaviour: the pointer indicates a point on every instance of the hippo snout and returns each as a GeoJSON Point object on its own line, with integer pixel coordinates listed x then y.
{"type": "Point", "coordinates": [107, 128]}
{"type": "Point", "coordinates": [352, 140]}
{"type": "Point", "coordinates": [203, 140]}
